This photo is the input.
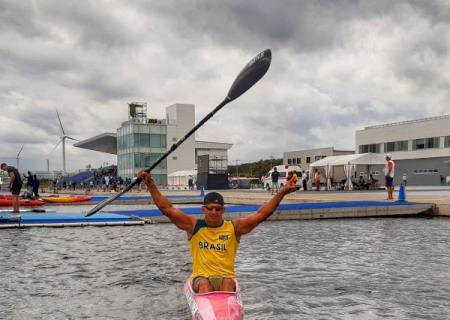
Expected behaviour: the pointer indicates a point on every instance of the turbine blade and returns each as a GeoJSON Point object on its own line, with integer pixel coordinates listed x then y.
{"type": "Point", "coordinates": [60, 123]}
{"type": "Point", "coordinates": [56, 145]}
{"type": "Point", "coordinates": [17, 157]}
{"type": "Point", "coordinates": [72, 138]}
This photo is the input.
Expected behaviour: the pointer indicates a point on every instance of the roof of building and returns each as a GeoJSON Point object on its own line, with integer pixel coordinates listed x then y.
{"type": "Point", "coordinates": [319, 149]}
{"type": "Point", "coordinates": [107, 142]}
{"type": "Point", "coordinates": [212, 145]}
{"type": "Point", "coordinates": [407, 122]}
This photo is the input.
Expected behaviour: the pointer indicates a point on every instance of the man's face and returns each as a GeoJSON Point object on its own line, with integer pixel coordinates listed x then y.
{"type": "Point", "coordinates": [213, 214]}
{"type": "Point", "coordinates": [3, 167]}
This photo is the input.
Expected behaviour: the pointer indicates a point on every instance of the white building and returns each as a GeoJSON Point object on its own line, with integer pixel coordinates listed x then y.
{"type": "Point", "coordinates": [140, 142]}
{"type": "Point", "coordinates": [303, 158]}
{"type": "Point", "coordinates": [420, 148]}
{"type": "Point", "coordinates": [180, 119]}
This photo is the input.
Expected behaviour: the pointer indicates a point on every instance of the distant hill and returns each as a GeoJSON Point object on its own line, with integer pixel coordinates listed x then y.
{"type": "Point", "coordinates": [253, 169]}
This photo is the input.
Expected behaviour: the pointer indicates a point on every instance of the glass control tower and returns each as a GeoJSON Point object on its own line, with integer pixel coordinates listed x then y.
{"type": "Point", "coordinates": [140, 142]}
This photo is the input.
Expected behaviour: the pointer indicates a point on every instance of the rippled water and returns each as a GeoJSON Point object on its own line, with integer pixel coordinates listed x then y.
{"type": "Point", "coordinates": [329, 269]}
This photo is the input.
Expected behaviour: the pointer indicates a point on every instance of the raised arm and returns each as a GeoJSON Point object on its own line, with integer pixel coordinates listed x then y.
{"type": "Point", "coordinates": [178, 217]}
{"type": "Point", "coordinates": [248, 223]}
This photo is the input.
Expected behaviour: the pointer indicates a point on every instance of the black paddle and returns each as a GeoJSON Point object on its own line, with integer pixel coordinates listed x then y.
{"type": "Point", "coordinates": [252, 72]}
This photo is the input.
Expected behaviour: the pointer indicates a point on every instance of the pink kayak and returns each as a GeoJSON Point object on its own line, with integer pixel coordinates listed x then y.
{"type": "Point", "coordinates": [218, 305]}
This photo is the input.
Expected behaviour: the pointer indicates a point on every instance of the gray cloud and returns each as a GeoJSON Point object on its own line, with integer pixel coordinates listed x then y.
{"type": "Point", "coordinates": [337, 66]}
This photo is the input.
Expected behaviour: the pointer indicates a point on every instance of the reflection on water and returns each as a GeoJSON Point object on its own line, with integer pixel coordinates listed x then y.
{"type": "Point", "coordinates": [330, 269]}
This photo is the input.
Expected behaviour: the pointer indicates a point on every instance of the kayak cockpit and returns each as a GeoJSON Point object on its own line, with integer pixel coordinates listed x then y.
{"type": "Point", "coordinates": [215, 305]}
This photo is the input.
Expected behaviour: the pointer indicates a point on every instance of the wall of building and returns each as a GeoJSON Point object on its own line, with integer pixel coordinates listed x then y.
{"type": "Point", "coordinates": [408, 135]}
{"type": "Point", "coordinates": [431, 171]}
{"type": "Point", "coordinates": [420, 148]}
{"type": "Point", "coordinates": [218, 154]}
{"type": "Point", "coordinates": [180, 119]}
{"type": "Point", "coordinates": [303, 158]}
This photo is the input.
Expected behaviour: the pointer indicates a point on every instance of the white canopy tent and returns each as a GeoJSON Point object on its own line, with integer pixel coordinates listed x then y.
{"type": "Point", "coordinates": [347, 164]}
{"type": "Point", "coordinates": [179, 180]}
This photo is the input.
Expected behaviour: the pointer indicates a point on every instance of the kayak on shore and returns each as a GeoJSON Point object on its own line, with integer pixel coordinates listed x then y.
{"type": "Point", "coordinates": [32, 210]}
{"type": "Point", "coordinates": [66, 199]}
{"type": "Point", "coordinates": [22, 203]}
{"type": "Point", "coordinates": [217, 305]}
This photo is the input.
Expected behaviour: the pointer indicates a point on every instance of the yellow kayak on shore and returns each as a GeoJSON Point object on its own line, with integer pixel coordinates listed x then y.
{"type": "Point", "coordinates": [66, 199]}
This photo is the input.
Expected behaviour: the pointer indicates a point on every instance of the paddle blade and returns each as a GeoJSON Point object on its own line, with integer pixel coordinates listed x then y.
{"type": "Point", "coordinates": [252, 72]}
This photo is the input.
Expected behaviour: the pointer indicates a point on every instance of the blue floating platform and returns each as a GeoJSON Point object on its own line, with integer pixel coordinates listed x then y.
{"type": "Point", "coordinates": [65, 220]}
{"type": "Point", "coordinates": [281, 207]}
{"type": "Point", "coordinates": [289, 211]}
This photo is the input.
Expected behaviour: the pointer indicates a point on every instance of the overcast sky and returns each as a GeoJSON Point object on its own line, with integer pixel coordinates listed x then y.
{"type": "Point", "coordinates": [337, 66]}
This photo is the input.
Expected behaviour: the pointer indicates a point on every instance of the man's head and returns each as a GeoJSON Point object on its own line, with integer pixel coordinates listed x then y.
{"type": "Point", "coordinates": [388, 157]}
{"type": "Point", "coordinates": [213, 209]}
{"type": "Point", "coordinates": [3, 166]}
{"type": "Point", "coordinates": [275, 169]}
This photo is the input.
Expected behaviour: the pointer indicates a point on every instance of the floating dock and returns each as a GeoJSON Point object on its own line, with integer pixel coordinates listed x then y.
{"type": "Point", "coordinates": [25, 220]}
{"type": "Point", "coordinates": [289, 211]}
{"type": "Point", "coordinates": [309, 211]}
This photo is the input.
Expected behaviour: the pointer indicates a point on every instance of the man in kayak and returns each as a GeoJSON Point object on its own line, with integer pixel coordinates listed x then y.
{"type": "Point", "coordinates": [214, 241]}
{"type": "Point", "coordinates": [15, 184]}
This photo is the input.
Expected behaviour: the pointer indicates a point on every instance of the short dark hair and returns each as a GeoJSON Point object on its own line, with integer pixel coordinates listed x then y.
{"type": "Point", "coordinates": [213, 197]}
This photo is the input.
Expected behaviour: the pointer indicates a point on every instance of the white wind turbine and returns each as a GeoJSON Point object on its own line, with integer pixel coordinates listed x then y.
{"type": "Point", "coordinates": [17, 157]}
{"type": "Point", "coordinates": [62, 139]}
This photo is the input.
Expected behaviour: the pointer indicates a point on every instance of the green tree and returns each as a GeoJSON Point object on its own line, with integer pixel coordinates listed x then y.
{"type": "Point", "coordinates": [253, 169]}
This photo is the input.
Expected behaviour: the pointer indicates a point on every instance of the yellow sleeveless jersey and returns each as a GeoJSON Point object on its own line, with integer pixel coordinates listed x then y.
{"type": "Point", "coordinates": [213, 250]}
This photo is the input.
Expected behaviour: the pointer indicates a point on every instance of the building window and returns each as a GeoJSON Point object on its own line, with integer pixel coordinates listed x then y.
{"type": "Point", "coordinates": [318, 157]}
{"type": "Point", "coordinates": [373, 148]}
{"type": "Point", "coordinates": [396, 146]}
{"type": "Point", "coordinates": [363, 148]}
{"type": "Point", "coordinates": [425, 143]}
{"type": "Point", "coordinates": [289, 161]}
{"type": "Point", "coordinates": [447, 142]}
{"type": "Point", "coordinates": [174, 158]}
{"type": "Point", "coordinates": [299, 160]}
{"type": "Point", "coordinates": [426, 171]}
{"type": "Point", "coordinates": [308, 159]}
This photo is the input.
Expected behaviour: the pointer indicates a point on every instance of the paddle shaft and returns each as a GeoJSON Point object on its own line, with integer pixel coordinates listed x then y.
{"type": "Point", "coordinates": [136, 181]}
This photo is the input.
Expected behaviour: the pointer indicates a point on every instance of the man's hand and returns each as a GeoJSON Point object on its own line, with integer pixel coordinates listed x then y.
{"type": "Point", "coordinates": [145, 177]}
{"type": "Point", "coordinates": [291, 182]}
{"type": "Point", "coordinates": [248, 223]}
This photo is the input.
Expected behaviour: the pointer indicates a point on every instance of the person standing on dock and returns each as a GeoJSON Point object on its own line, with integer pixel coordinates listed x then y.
{"type": "Point", "coordinates": [214, 241]}
{"type": "Point", "coordinates": [317, 179]}
{"type": "Point", "coordinates": [29, 177]}
{"type": "Point", "coordinates": [15, 184]}
{"type": "Point", "coordinates": [389, 177]}
{"type": "Point", "coordinates": [304, 181]}
{"type": "Point", "coordinates": [275, 175]}
{"type": "Point", "coordinates": [36, 184]}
